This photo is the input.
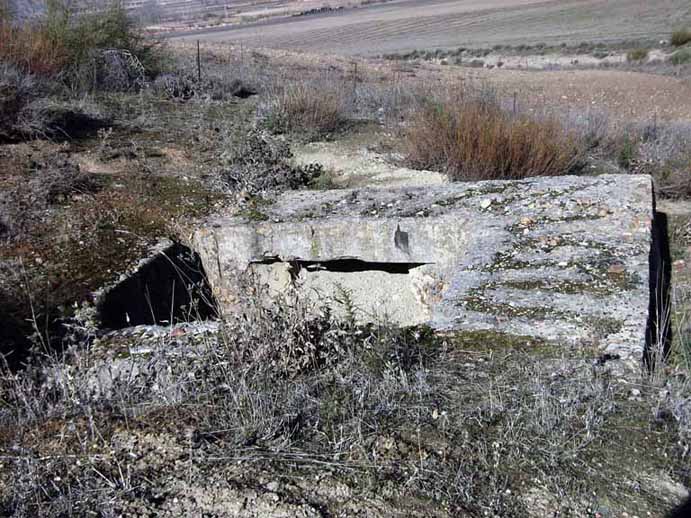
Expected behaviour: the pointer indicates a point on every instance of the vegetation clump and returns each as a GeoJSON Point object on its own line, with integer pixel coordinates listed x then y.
{"type": "Point", "coordinates": [259, 162]}
{"type": "Point", "coordinates": [681, 37]}
{"type": "Point", "coordinates": [77, 50]}
{"type": "Point", "coordinates": [681, 57]}
{"type": "Point", "coordinates": [475, 139]}
{"type": "Point", "coordinates": [314, 109]}
{"type": "Point", "coordinates": [407, 421]}
{"type": "Point", "coordinates": [637, 55]}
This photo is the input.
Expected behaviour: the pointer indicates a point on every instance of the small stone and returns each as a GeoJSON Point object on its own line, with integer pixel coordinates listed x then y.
{"type": "Point", "coordinates": [484, 204]}
{"type": "Point", "coordinates": [616, 268]}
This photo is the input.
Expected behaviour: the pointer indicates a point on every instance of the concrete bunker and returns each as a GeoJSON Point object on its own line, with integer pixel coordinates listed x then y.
{"type": "Point", "coordinates": [563, 259]}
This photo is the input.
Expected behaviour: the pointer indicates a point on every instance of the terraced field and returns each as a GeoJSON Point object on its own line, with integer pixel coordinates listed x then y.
{"type": "Point", "coordinates": [413, 24]}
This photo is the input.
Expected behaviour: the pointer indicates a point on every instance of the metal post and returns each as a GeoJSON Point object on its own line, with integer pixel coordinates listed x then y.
{"type": "Point", "coordinates": [199, 64]}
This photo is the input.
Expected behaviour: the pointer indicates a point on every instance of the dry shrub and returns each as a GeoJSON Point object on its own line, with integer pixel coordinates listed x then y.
{"type": "Point", "coordinates": [665, 153]}
{"type": "Point", "coordinates": [474, 139]}
{"type": "Point", "coordinates": [16, 91]}
{"type": "Point", "coordinates": [24, 203]}
{"type": "Point", "coordinates": [31, 47]}
{"type": "Point", "coordinates": [259, 162]}
{"type": "Point", "coordinates": [314, 108]}
{"type": "Point", "coordinates": [71, 47]}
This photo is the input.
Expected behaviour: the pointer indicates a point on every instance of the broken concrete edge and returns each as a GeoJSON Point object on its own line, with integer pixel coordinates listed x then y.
{"type": "Point", "coordinates": [659, 323]}
{"type": "Point", "coordinates": [165, 287]}
{"type": "Point", "coordinates": [467, 241]}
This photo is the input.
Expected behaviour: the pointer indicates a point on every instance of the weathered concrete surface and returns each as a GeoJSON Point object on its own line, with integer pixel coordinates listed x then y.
{"type": "Point", "coordinates": [563, 259]}
{"type": "Point", "coordinates": [355, 165]}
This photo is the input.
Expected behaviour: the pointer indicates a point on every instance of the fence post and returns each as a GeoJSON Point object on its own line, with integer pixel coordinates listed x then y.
{"type": "Point", "coordinates": [199, 64]}
{"type": "Point", "coordinates": [355, 79]}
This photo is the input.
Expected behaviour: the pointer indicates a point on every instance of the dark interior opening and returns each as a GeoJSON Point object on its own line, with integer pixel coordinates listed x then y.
{"type": "Point", "coordinates": [171, 287]}
{"type": "Point", "coordinates": [658, 335]}
{"type": "Point", "coordinates": [347, 265]}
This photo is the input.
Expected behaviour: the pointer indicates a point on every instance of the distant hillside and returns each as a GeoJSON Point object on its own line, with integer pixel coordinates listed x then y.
{"type": "Point", "coordinates": [162, 11]}
{"type": "Point", "coordinates": [179, 14]}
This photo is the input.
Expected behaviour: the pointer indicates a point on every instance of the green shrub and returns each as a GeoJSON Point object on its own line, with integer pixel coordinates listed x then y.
{"type": "Point", "coordinates": [628, 151]}
{"type": "Point", "coordinates": [681, 57]}
{"type": "Point", "coordinates": [474, 139]}
{"type": "Point", "coordinates": [637, 55]}
{"type": "Point", "coordinates": [681, 37]}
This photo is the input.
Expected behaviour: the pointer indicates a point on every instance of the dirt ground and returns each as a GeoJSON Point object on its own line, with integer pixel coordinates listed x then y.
{"type": "Point", "coordinates": [623, 97]}
{"type": "Point", "coordinates": [416, 24]}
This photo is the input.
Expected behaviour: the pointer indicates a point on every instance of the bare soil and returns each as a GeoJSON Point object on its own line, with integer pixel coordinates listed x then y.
{"type": "Point", "coordinates": [416, 24]}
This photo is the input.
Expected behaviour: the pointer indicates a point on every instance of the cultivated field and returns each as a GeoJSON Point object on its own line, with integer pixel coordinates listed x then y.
{"type": "Point", "coordinates": [413, 24]}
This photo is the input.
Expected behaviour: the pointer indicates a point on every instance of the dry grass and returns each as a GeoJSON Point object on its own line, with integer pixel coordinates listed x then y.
{"type": "Point", "coordinates": [314, 108]}
{"type": "Point", "coordinates": [681, 37]}
{"type": "Point", "coordinates": [472, 138]}
{"type": "Point", "coordinates": [681, 57]}
{"type": "Point", "coordinates": [467, 424]}
{"type": "Point", "coordinates": [637, 55]}
{"type": "Point", "coordinates": [70, 47]}
{"type": "Point", "coordinates": [32, 48]}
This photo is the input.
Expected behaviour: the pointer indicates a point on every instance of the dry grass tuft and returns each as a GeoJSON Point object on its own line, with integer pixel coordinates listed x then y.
{"type": "Point", "coordinates": [31, 47]}
{"type": "Point", "coordinates": [681, 37]}
{"type": "Point", "coordinates": [318, 109]}
{"type": "Point", "coordinates": [637, 55]}
{"type": "Point", "coordinates": [474, 139]}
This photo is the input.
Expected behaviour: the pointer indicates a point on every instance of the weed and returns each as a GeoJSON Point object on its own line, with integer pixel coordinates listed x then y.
{"type": "Point", "coordinates": [637, 55]}
{"type": "Point", "coordinates": [288, 389]}
{"type": "Point", "coordinates": [627, 152]}
{"type": "Point", "coordinates": [666, 153]}
{"type": "Point", "coordinates": [17, 89]}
